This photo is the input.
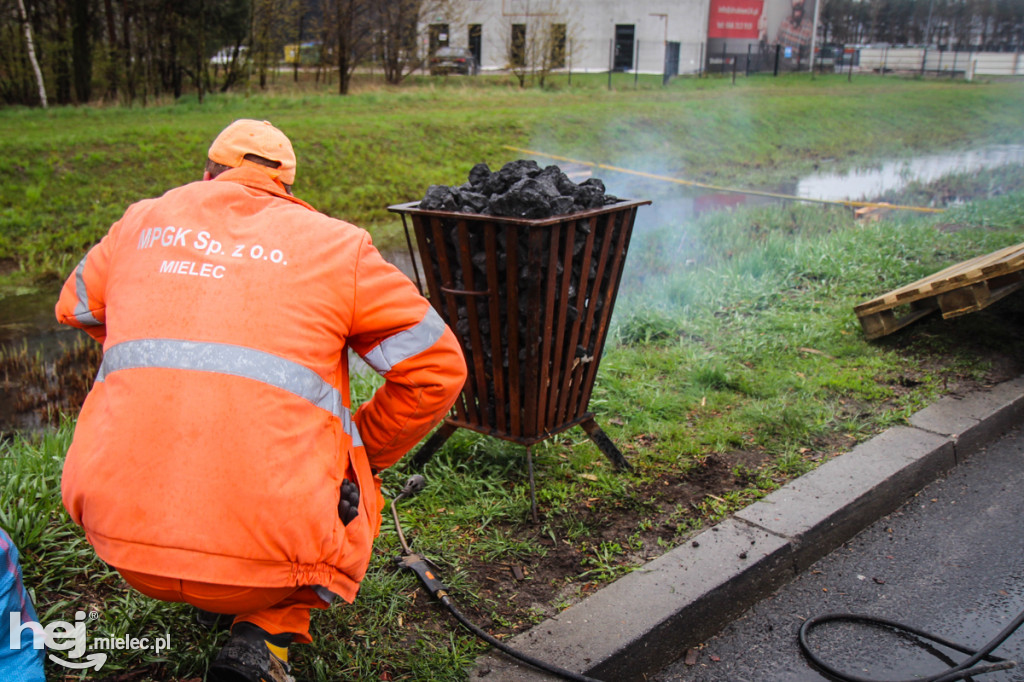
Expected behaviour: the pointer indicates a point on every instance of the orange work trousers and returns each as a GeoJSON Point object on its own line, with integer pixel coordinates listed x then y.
{"type": "Point", "coordinates": [277, 610]}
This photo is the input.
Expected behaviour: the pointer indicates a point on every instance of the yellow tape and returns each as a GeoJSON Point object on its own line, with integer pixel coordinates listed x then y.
{"type": "Point", "coordinates": [702, 185]}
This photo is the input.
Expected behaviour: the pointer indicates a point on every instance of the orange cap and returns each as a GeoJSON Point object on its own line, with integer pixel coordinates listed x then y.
{"type": "Point", "coordinates": [248, 136]}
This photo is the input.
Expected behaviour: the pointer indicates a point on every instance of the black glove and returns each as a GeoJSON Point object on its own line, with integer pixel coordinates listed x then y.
{"type": "Point", "coordinates": [348, 506]}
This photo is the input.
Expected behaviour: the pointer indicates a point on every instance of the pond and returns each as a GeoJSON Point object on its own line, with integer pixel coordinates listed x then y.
{"type": "Point", "coordinates": [868, 183]}
{"type": "Point", "coordinates": [675, 204]}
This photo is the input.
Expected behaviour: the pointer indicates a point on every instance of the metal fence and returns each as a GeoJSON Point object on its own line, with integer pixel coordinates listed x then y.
{"type": "Point", "coordinates": [964, 63]}
{"type": "Point", "coordinates": [669, 59]}
{"type": "Point", "coordinates": [734, 58]}
{"type": "Point", "coordinates": [652, 57]}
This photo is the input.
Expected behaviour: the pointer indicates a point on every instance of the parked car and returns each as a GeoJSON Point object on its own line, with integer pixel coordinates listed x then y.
{"type": "Point", "coordinates": [453, 60]}
{"type": "Point", "coordinates": [225, 56]}
{"type": "Point", "coordinates": [828, 55]}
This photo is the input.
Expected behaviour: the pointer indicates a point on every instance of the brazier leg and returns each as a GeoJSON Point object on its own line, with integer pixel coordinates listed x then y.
{"type": "Point", "coordinates": [433, 444]}
{"type": "Point", "coordinates": [605, 444]}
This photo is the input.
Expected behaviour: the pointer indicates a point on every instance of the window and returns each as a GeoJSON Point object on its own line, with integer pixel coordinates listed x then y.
{"type": "Point", "coordinates": [517, 48]}
{"type": "Point", "coordinates": [624, 47]}
{"type": "Point", "coordinates": [556, 55]}
{"type": "Point", "coordinates": [476, 32]}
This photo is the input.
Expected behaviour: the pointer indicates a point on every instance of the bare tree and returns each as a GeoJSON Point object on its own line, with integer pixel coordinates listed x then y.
{"type": "Point", "coordinates": [397, 24]}
{"type": "Point", "coordinates": [325, 53]}
{"type": "Point", "coordinates": [297, 57]}
{"type": "Point", "coordinates": [82, 18]}
{"type": "Point", "coordinates": [111, 60]}
{"type": "Point", "coordinates": [400, 30]}
{"type": "Point", "coordinates": [537, 37]}
{"type": "Point", "coordinates": [31, 49]}
{"type": "Point", "coordinates": [551, 50]}
{"type": "Point", "coordinates": [271, 23]}
{"type": "Point", "coordinates": [354, 42]}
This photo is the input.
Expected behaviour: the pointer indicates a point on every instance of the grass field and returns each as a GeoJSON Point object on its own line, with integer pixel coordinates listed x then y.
{"type": "Point", "coordinates": [70, 172]}
{"type": "Point", "coordinates": [735, 363]}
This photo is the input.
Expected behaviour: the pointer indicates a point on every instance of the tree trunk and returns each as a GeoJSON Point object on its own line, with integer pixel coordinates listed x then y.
{"type": "Point", "coordinates": [81, 50]}
{"type": "Point", "coordinates": [31, 49]}
{"type": "Point", "coordinates": [113, 75]}
{"type": "Point", "coordinates": [298, 50]}
{"type": "Point", "coordinates": [344, 46]}
{"type": "Point", "coordinates": [126, 50]}
{"type": "Point", "coordinates": [201, 52]}
{"type": "Point", "coordinates": [61, 58]}
{"type": "Point", "coordinates": [174, 67]}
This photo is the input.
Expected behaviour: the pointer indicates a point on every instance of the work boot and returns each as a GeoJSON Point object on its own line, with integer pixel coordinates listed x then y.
{"type": "Point", "coordinates": [252, 654]}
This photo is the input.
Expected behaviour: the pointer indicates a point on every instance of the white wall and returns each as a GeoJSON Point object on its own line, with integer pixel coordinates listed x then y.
{"type": "Point", "coordinates": [591, 29]}
{"type": "Point", "coordinates": [909, 59]}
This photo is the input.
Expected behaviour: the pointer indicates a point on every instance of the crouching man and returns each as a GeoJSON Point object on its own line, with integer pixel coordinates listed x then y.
{"type": "Point", "coordinates": [216, 460]}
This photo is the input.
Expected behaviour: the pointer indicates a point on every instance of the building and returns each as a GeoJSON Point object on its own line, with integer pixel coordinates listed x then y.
{"type": "Point", "coordinates": [648, 36]}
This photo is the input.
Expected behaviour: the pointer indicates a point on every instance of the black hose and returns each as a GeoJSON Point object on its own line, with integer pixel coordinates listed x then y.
{"type": "Point", "coordinates": [961, 671]}
{"type": "Point", "coordinates": [435, 587]}
{"type": "Point", "coordinates": [498, 644]}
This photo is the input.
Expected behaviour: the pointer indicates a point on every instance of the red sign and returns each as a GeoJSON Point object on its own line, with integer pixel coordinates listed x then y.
{"type": "Point", "coordinates": [735, 18]}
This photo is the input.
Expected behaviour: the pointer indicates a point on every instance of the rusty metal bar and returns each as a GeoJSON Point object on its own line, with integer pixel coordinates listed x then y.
{"type": "Point", "coordinates": [512, 329]}
{"type": "Point", "coordinates": [585, 303]}
{"type": "Point", "coordinates": [448, 278]}
{"type": "Point", "coordinates": [567, 401]}
{"type": "Point", "coordinates": [546, 378]}
{"type": "Point", "coordinates": [476, 346]}
{"type": "Point", "coordinates": [433, 444]}
{"type": "Point", "coordinates": [431, 242]}
{"type": "Point", "coordinates": [596, 303]}
{"type": "Point", "coordinates": [626, 222]}
{"type": "Point", "coordinates": [605, 444]}
{"type": "Point", "coordinates": [608, 298]}
{"type": "Point", "coordinates": [559, 362]}
{"type": "Point", "coordinates": [498, 374]}
{"type": "Point", "coordinates": [534, 340]}
{"type": "Point", "coordinates": [412, 255]}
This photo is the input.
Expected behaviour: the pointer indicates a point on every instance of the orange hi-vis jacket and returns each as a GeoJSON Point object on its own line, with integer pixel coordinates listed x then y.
{"type": "Point", "coordinates": [214, 442]}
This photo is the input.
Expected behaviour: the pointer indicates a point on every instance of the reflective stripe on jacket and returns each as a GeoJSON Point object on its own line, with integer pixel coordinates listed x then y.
{"type": "Point", "coordinates": [214, 442]}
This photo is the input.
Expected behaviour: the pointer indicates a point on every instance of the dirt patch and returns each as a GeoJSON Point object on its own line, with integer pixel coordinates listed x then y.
{"type": "Point", "coordinates": [7, 266]}
{"type": "Point", "coordinates": [518, 593]}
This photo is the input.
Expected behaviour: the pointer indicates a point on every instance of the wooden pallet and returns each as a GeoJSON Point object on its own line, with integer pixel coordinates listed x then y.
{"type": "Point", "coordinates": [959, 289]}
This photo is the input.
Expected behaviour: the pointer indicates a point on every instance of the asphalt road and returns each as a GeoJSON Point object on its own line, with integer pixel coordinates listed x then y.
{"type": "Point", "coordinates": [950, 562]}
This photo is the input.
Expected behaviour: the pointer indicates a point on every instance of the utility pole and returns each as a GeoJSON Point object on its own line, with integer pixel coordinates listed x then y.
{"type": "Point", "coordinates": [814, 31]}
{"type": "Point", "coordinates": [928, 24]}
{"type": "Point", "coordinates": [927, 40]}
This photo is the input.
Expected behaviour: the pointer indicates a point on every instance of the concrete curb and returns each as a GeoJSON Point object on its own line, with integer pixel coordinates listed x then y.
{"type": "Point", "coordinates": [645, 620]}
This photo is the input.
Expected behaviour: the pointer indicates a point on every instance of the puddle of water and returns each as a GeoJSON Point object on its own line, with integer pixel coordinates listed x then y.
{"type": "Point", "coordinates": [867, 184]}
{"type": "Point", "coordinates": [27, 315]}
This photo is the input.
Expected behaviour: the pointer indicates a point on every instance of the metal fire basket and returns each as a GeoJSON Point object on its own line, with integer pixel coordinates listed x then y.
{"type": "Point", "coordinates": [530, 301]}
